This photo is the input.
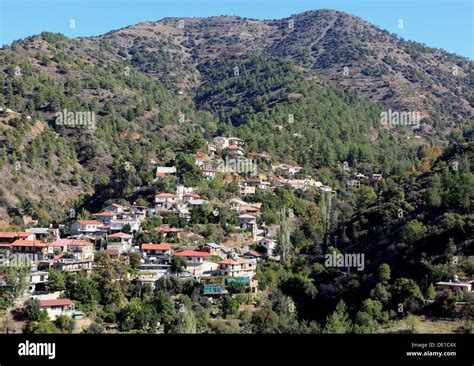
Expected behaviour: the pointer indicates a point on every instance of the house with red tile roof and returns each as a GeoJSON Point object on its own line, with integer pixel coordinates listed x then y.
{"type": "Point", "coordinates": [87, 227]}
{"type": "Point", "coordinates": [78, 249]}
{"type": "Point", "coordinates": [166, 201]}
{"type": "Point", "coordinates": [196, 262]}
{"type": "Point", "coordinates": [57, 307]}
{"type": "Point", "coordinates": [168, 231]}
{"type": "Point", "coordinates": [249, 210]}
{"type": "Point", "coordinates": [106, 217]}
{"type": "Point", "coordinates": [34, 250]}
{"type": "Point", "coordinates": [238, 267]}
{"type": "Point", "coordinates": [234, 150]}
{"type": "Point", "coordinates": [114, 207]}
{"type": "Point", "coordinates": [190, 254]}
{"type": "Point", "coordinates": [247, 220]}
{"type": "Point", "coordinates": [8, 237]}
{"type": "Point", "coordinates": [156, 252]}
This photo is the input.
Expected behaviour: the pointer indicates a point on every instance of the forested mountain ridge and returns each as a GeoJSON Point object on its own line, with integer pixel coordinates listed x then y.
{"type": "Point", "coordinates": [346, 49]}
{"type": "Point", "coordinates": [141, 81]}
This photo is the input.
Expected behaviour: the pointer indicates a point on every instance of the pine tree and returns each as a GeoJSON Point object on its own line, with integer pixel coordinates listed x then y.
{"type": "Point", "coordinates": [185, 324]}
{"type": "Point", "coordinates": [434, 194]}
{"type": "Point", "coordinates": [431, 292]}
{"type": "Point", "coordinates": [338, 321]}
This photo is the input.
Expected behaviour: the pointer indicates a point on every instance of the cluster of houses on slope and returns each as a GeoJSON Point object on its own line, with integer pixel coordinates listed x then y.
{"type": "Point", "coordinates": [112, 220]}
{"type": "Point", "coordinates": [207, 263]}
{"type": "Point", "coordinates": [242, 168]}
{"type": "Point", "coordinates": [359, 179]}
{"type": "Point", "coordinates": [42, 249]}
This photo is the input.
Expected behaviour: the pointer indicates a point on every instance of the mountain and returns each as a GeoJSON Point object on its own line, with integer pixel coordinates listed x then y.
{"type": "Point", "coordinates": [403, 75]}
{"type": "Point", "coordinates": [155, 86]}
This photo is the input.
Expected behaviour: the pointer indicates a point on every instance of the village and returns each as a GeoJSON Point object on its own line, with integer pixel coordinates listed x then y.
{"type": "Point", "coordinates": [121, 229]}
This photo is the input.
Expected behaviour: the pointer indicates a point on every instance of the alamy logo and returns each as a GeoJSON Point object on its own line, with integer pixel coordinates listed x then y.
{"type": "Point", "coordinates": [348, 260]}
{"type": "Point", "coordinates": [241, 166]}
{"type": "Point", "coordinates": [37, 349]}
{"type": "Point", "coordinates": [16, 260]}
{"type": "Point", "coordinates": [394, 118]}
{"type": "Point", "coordinates": [73, 119]}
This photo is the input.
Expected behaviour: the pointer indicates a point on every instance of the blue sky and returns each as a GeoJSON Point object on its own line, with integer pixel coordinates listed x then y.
{"type": "Point", "coordinates": [446, 24]}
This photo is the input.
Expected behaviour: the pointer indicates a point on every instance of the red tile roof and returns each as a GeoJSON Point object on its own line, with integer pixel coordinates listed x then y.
{"type": "Point", "coordinates": [14, 234]}
{"type": "Point", "coordinates": [118, 235]}
{"type": "Point", "coordinates": [29, 243]}
{"type": "Point", "coordinates": [161, 246]}
{"type": "Point", "coordinates": [194, 195]}
{"type": "Point", "coordinates": [89, 222]}
{"type": "Point", "coordinates": [167, 229]}
{"type": "Point", "coordinates": [66, 242]}
{"type": "Point", "coordinates": [232, 261]}
{"type": "Point", "coordinates": [171, 195]}
{"type": "Point", "coordinates": [106, 213]}
{"type": "Point", "coordinates": [192, 253]}
{"type": "Point", "coordinates": [233, 147]}
{"type": "Point", "coordinates": [57, 302]}
{"type": "Point", "coordinates": [249, 208]}
{"type": "Point", "coordinates": [228, 261]}
{"type": "Point", "coordinates": [246, 217]}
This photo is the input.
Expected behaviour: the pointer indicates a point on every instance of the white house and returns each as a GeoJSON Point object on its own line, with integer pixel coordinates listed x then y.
{"type": "Point", "coordinates": [120, 242]}
{"type": "Point", "coordinates": [119, 224]}
{"type": "Point", "coordinates": [163, 171]}
{"type": "Point", "coordinates": [454, 285]}
{"type": "Point", "coordinates": [41, 233]}
{"type": "Point", "coordinates": [115, 207]}
{"type": "Point", "coordinates": [269, 244]}
{"type": "Point", "coordinates": [247, 220]}
{"type": "Point", "coordinates": [209, 172]}
{"type": "Point", "coordinates": [237, 267]}
{"type": "Point", "coordinates": [36, 278]}
{"type": "Point", "coordinates": [246, 190]}
{"type": "Point", "coordinates": [74, 265]}
{"type": "Point", "coordinates": [292, 169]}
{"type": "Point", "coordinates": [87, 227]}
{"type": "Point", "coordinates": [57, 307]}
{"type": "Point", "coordinates": [166, 200]}
{"type": "Point", "coordinates": [161, 252]}
{"type": "Point", "coordinates": [195, 261]}
{"type": "Point", "coordinates": [222, 142]}
{"type": "Point", "coordinates": [106, 217]}
{"type": "Point", "coordinates": [79, 249]}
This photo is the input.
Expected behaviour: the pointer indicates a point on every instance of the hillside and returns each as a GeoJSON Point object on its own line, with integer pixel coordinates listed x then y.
{"type": "Point", "coordinates": [230, 175]}
{"type": "Point", "coordinates": [403, 75]}
{"type": "Point", "coordinates": [153, 85]}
